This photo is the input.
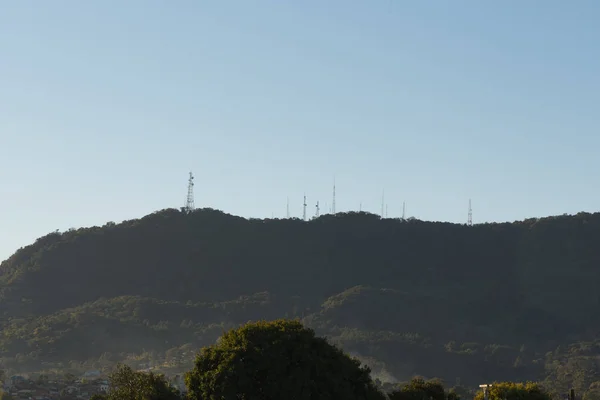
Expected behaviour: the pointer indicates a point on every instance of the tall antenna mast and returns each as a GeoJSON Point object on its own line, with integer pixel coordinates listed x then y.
{"type": "Point", "coordinates": [317, 210]}
{"type": "Point", "coordinates": [189, 204]}
{"type": "Point", "coordinates": [470, 217]}
{"type": "Point", "coordinates": [333, 203]}
{"type": "Point", "coordinates": [403, 210]}
{"type": "Point", "coordinates": [287, 208]}
{"type": "Point", "coordinates": [382, 202]}
{"type": "Point", "coordinates": [304, 209]}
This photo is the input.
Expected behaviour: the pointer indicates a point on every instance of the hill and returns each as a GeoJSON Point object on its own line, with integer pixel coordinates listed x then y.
{"type": "Point", "coordinates": [488, 302]}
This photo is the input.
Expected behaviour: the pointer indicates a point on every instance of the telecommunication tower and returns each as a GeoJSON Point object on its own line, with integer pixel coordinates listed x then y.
{"type": "Point", "coordinates": [382, 203]}
{"type": "Point", "coordinates": [304, 209]}
{"type": "Point", "coordinates": [470, 217]}
{"type": "Point", "coordinates": [317, 210]}
{"type": "Point", "coordinates": [403, 210]}
{"type": "Point", "coordinates": [189, 204]}
{"type": "Point", "coordinates": [287, 208]}
{"type": "Point", "coordinates": [333, 203]}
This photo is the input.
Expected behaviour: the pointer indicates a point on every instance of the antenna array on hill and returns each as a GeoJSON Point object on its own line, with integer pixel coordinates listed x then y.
{"type": "Point", "coordinates": [470, 217]}
{"type": "Point", "coordinates": [189, 204]}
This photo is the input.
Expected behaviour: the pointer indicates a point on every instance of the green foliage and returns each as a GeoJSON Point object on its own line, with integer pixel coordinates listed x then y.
{"type": "Point", "coordinates": [593, 392]}
{"type": "Point", "coordinates": [126, 384]}
{"type": "Point", "coordinates": [420, 389]}
{"type": "Point", "coordinates": [469, 304]}
{"type": "Point", "coordinates": [5, 396]}
{"type": "Point", "coordinates": [515, 391]}
{"type": "Point", "coordinates": [278, 360]}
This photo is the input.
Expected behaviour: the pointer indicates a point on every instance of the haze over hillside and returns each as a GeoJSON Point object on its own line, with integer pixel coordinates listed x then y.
{"type": "Point", "coordinates": [479, 303]}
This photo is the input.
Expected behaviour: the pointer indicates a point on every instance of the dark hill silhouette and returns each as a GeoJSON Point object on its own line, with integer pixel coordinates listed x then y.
{"type": "Point", "coordinates": [402, 291]}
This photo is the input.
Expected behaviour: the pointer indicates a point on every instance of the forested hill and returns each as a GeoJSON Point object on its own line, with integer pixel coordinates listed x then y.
{"type": "Point", "coordinates": [524, 285]}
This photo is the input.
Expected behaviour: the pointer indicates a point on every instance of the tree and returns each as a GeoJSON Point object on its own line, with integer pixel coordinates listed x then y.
{"type": "Point", "coordinates": [69, 378]}
{"type": "Point", "coordinates": [127, 384]}
{"type": "Point", "coordinates": [420, 389]}
{"type": "Point", "coordinates": [515, 391]}
{"type": "Point", "coordinates": [278, 360]}
{"type": "Point", "coordinates": [3, 394]}
{"type": "Point", "coordinates": [593, 392]}
{"type": "Point", "coordinates": [42, 379]}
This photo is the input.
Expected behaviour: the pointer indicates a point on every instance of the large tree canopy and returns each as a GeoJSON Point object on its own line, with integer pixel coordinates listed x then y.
{"type": "Point", "coordinates": [127, 384]}
{"type": "Point", "coordinates": [278, 360]}
{"type": "Point", "coordinates": [515, 391]}
{"type": "Point", "coordinates": [420, 389]}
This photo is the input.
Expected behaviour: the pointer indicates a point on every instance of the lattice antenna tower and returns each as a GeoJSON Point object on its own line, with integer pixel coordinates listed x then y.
{"type": "Point", "coordinates": [317, 210]}
{"type": "Point", "coordinates": [403, 210]}
{"type": "Point", "coordinates": [470, 216]}
{"type": "Point", "coordinates": [333, 203]}
{"type": "Point", "coordinates": [189, 204]}
{"type": "Point", "coordinates": [304, 209]}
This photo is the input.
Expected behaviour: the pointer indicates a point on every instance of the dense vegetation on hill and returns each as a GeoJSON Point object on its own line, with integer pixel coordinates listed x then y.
{"type": "Point", "coordinates": [512, 301]}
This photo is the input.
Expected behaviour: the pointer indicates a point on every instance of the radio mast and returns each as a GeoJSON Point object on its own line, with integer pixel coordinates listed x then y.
{"type": "Point", "coordinates": [333, 203]}
{"type": "Point", "coordinates": [189, 204]}
{"type": "Point", "coordinates": [304, 209]}
{"type": "Point", "coordinates": [470, 216]}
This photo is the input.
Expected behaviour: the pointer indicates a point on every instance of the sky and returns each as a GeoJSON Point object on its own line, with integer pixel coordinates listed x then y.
{"type": "Point", "coordinates": [105, 106]}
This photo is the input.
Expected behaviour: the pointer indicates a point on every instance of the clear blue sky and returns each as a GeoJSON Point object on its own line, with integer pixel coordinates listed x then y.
{"type": "Point", "coordinates": [106, 105]}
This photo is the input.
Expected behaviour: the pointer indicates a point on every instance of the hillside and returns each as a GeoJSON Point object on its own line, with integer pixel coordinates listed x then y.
{"type": "Point", "coordinates": [488, 302]}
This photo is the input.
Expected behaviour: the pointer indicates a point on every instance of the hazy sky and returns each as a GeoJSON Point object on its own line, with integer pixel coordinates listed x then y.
{"type": "Point", "coordinates": [106, 105]}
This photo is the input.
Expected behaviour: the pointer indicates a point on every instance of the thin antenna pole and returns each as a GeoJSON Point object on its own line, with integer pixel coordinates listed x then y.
{"type": "Point", "coordinates": [287, 208]}
{"type": "Point", "coordinates": [189, 204]}
{"type": "Point", "coordinates": [317, 210]}
{"type": "Point", "coordinates": [304, 209]}
{"type": "Point", "coordinates": [333, 203]}
{"type": "Point", "coordinates": [470, 216]}
{"type": "Point", "coordinates": [382, 202]}
{"type": "Point", "coordinates": [403, 210]}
